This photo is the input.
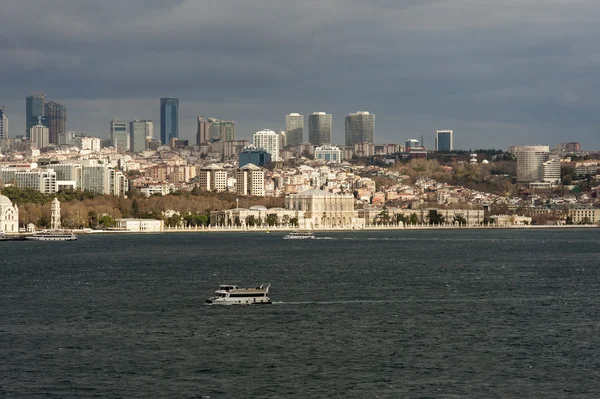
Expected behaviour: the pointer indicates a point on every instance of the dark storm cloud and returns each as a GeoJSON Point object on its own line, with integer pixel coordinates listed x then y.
{"type": "Point", "coordinates": [498, 73]}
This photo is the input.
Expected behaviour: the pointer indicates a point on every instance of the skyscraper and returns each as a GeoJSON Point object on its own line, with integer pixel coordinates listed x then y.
{"type": "Point", "coordinates": [219, 130]}
{"type": "Point", "coordinates": [294, 129]}
{"type": "Point", "coordinates": [169, 119]}
{"type": "Point", "coordinates": [203, 131]}
{"type": "Point", "coordinates": [56, 114]}
{"type": "Point", "coordinates": [360, 128]}
{"type": "Point", "coordinates": [34, 108]}
{"type": "Point", "coordinates": [319, 128]}
{"type": "Point", "coordinates": [119, 136]}
{"type": "Point", "coordinates": [139, 132]}
{"type": "Point", "coordinates": [3, 124]}
{"type": "Point", "coordinates": [269, 141]}
{"type": "Point", "coordinates": [444, 140]}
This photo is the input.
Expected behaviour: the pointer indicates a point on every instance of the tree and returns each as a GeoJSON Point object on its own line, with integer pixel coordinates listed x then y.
{"type": "Point", "coordinates": [414, 219]}
{"type": "Point", "coordinates": [294, 221]}
{"type": "Point", "coordinates": [272, 219]}
{"type": "Point", "coordinates": [400, 218]}
{"type": "Point", "coordinates": [135, 208]}
{"type": "Point", "coordinates": [250, 221]}
{"type": "Point", "coordinates": [460, 220]}
{"type": "Point", "coordinates": [435, 218]}
{"type": "Point", "coordinates": [107, 221]}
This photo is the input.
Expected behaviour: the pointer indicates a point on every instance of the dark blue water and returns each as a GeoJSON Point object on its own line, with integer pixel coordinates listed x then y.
{"type": "Point", "coordinates": [417, 314]}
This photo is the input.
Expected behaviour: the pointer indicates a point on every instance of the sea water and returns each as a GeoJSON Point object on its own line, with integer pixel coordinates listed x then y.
{"type": "Point", "coordinates": [388, 314]}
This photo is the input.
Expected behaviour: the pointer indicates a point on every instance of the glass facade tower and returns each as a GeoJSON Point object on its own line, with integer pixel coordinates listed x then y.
{"type": "Point", "coordinates": [169, 119]}
{"type": "Point", "coordinates": [34, 109]}
{"type": "Point", "coordinates": [319, 128]}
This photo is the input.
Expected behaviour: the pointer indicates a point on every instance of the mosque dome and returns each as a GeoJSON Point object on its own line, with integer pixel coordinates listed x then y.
{"type": "Point", "coordinates": [4, 200]}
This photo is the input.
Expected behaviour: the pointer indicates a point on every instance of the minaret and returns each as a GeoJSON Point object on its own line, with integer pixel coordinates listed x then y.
{"type": "Point", "coordinates": [55, 218]}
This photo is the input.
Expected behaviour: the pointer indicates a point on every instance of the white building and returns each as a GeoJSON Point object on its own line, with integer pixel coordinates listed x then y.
{"type": "Point", "coordinates": [269, 141]}
{"type": "Point", "coordinates": [86, 143]}
{"type": "Point", "coordinates": [328, 153]}
{"type": "Point", "coordinates": [140, 225]}
{"type": "Point", "coordinates": [530, 162]}
{"type": "Point", "coordinates": [9, 216]}
{"type": "Point", "coordinates": [40, 136]}
{"type": "Point", "coordinates": [43, 180]}
{"type": "Point", "coordinates": [250, 180]}
{"type": "Point", "coordinates": [551, 171]}
{"type": "Point", "coordinates": [101, 179]}
{"type": "Point", "coordinates": [212, 178]}
{"type": "Point", "coordinates": [317, 208]}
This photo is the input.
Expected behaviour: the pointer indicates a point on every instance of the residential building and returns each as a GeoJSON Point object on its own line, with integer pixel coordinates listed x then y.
{"type": "Point", "coordinates": [43, 180]}
{"type": "Point", "coordinates": [3, 124]}
{"type": "Point", "coordinates": [269, 141]}
{"type": "Point", "coordinates": [444, 140]}
{"type": "Point", "coordinates": [102, 179]}
{"type": "Point", "coordinates": [294, 129]}
{"type": "Point", "coordinates": [119, 135]}
{"type": "Point", "coordinates": [250, 180]}
{"type": "Point", "coordinates": [34, 108]}
{"type": "Point", "coordinates": [40, 136]}
{"type": "Point", "coordinates": [169, 119]}
{"type": "Point", "coordinates": [360, 128]}
{"type": "Point", "coordinates": [253, 155]}
{"type": "Point", "coordinates": [57, 120]}
{"type": "Point", "coordinates": [87, 143]}
{"type": "Point", "coordinates": [530, 162]}
{"type": "Point", "coordinates": [139, 133]}
{"type": "Point", "coordinates": [319, 128]}
{"type": "Point", "coordinates": [212, 178]}
{"type": "Point", "coordinates": [328, 153]}
{"type": "Point", "coordinates": [364, 149]}
{"type": "Point", "coordinates": [568, 148]}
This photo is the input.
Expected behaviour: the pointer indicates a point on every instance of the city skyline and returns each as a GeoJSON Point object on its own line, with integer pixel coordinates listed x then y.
{"type": "Point", "coordinates": [505, 74]}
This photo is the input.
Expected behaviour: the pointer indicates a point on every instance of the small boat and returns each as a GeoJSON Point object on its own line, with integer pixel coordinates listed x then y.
{"type": "Point", "coordinates": [233, 295]}
{"type": "Point", "coordinates": [298, 235]}
{"type": "Point", "coordinates": [52, 236]}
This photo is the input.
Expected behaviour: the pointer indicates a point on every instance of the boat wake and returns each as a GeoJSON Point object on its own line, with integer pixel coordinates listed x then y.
{"type": "Point", "coordinates": [404, 300]}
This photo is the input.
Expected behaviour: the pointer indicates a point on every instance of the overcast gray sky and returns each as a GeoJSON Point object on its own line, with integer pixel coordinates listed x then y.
{"type": "Point", "coordinates": [497, 72]}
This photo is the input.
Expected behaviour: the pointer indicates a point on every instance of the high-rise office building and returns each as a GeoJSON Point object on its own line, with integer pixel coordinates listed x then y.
{"type": "Point", "coordinates": [169, 119]}
{"type": "Point", "coordinates": [530, 162]}
{"type": "Point", "coordinates": [3, 124]}
{"type": "Point", "coordinates": [360, 128]}
{"type": "Point", "coordinates": [319, 128]}
{"type": "Point", "coordinates": [253, 155]}
{"type": "Point", "coordinates": [294, 129]}
{"type": "Point", "coordinates": [219, 130]}
{"type": "Point", "coordinates": [56, 115]}
{"type": "Point", "coordinates": [269, 141]}
{"type": "Point", "coordinates": [203, 131]}
{"type": "Point", "coordinates": [139, 133]}
{"type": "Point", "coordinates": [444, 140]}
{"type": "Point", "coordinates": [34, 108]}
{"type": "Point", "coordinates": [39, 136]}
{"type": "Point", "coordinates": [119, 135]}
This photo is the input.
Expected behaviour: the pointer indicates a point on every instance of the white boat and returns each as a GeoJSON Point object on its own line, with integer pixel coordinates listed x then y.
{"type": "Point", "coordinates": [233, 295]}
{"type": "Point", "coordinates": [298, 235]}
{"type": "Point", "coordinates": [52, 236]}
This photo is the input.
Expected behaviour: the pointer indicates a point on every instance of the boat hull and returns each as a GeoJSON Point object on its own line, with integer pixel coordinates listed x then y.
{"type": "Point", "coordinates": [237, 302]}
{"type": "Point", "coordinates": [67, 238]}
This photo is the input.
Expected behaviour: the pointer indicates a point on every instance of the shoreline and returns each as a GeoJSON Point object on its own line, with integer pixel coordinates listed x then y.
{"type": "Point", "coordinates": [325, 229]}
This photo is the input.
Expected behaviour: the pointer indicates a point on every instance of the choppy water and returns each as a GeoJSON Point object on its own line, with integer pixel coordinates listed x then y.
{"type": "Point", "coordinates": [416, 314]}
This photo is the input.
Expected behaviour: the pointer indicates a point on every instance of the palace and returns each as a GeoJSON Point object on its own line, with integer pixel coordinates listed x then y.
{"type": "Point", "coordinates": [9, 216]}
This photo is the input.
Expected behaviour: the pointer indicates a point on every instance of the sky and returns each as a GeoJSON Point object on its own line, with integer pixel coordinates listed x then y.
{"type": "Point", "coordinates": [499, 73]}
